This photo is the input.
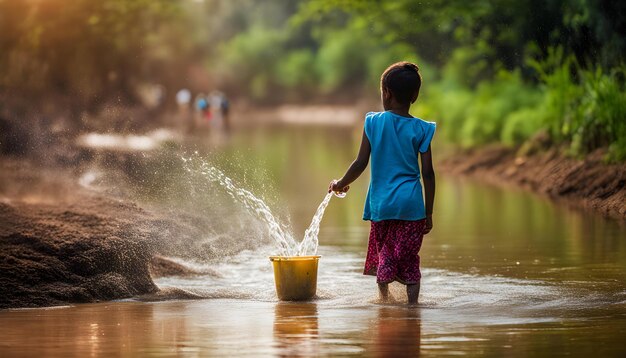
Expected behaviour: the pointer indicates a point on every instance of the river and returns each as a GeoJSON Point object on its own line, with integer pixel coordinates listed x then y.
{"type": "Point", "coordinates": [505, 272]}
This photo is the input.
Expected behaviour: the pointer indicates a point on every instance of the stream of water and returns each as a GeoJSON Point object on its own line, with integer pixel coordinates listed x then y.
{"type": "Point", "coordinates": [281, 234]}
{"type": "Point", "coordinates": [309, 243]}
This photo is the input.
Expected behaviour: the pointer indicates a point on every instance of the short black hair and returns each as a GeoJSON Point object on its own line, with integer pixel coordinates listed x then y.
{"type": "Point", "coordinates": [403, 79]}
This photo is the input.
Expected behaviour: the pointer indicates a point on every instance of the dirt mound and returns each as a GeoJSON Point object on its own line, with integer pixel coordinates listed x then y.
{"type": "Point", "coordinates": [52, 255]}
{"type": "Point", "coordinates": [588, 183]}
{"type": "Point", "coordinates": [61, 243]}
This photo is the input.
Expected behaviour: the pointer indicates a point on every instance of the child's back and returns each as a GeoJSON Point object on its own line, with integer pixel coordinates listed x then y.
{"type": "Point", "coordinates": [395, 191]}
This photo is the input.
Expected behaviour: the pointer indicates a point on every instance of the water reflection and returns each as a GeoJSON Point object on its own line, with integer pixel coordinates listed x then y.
{"type": "Point", "coordinates": [84, 330]}
{"type": "Point", "coordinates": [296, 329]}
{"type": "Point", "coordinates": [397, 332]}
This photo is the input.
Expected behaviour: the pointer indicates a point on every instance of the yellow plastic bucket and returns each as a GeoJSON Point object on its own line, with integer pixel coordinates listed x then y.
{"type": "Point", "coordinates": [295, 277]}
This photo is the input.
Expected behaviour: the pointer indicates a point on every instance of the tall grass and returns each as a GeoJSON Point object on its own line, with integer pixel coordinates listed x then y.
{"type": "Point", "coordinates": [584, 109]}
{"type": "Point", "coordinates": [600, 118]}
{"type": "Point", "coordinates": [581, 109]}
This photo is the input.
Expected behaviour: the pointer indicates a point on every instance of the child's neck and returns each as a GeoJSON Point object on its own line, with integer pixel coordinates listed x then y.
{"type": "Point", "coordinates": [400, 110]}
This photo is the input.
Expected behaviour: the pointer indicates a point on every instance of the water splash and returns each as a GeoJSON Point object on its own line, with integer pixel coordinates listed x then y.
{"type": "Point", "coordinates": [281, 234]}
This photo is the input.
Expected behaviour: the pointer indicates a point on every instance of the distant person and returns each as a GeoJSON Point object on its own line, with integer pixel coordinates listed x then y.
{"type": "Point", "coordinates": [219, 109]}
{"type": "Point", "coordinates": [226, 113]}
{"type": "Point", "coordinates": [183, 100]}
{"type": "Point", "coordinates": [202, 110]}
{"type": "Point", "coordinates": [159, 92]}
{"type": "Point", "coordinates": [399, 215]}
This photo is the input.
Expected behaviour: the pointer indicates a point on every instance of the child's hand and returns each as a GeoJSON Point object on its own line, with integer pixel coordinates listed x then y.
{"type": "Point", "coordinates": [429, 224]}
{"type": "Point", "coordinates": [336, 187]}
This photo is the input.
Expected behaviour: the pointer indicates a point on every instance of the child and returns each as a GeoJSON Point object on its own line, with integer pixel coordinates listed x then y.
{"type": "Point", "coordinates": [394, 204]}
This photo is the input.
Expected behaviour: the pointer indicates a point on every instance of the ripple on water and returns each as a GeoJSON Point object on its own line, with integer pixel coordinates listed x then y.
{"type": "Point", "coordinates": [482, 299]}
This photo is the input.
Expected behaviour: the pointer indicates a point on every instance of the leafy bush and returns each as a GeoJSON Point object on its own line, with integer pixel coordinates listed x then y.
{"type": "Point", "coordinates": [341, 60]}
{"type": "Point", "coordinates": [492, 104]}
{"type": "Point", "coordinates": [601, 114]}
{"type": "Point", "coordinates": [586, 109]}
{"type": "Point", "coordinates": [251, 58]}
{"type": "Point", "coordinates": [522, 124]}
{"type": "Point", "coordinates": [581, 109]}
{"type": "Point", "coordinates": [297, 70]}
{"type": "Point", "coordinates": [474, 117]}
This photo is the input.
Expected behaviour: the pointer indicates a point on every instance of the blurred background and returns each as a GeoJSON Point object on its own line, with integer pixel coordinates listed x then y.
{"type": "Point", "coordinates": [115, 114]}
{"type": "Point", "coordinates": [494, 70]}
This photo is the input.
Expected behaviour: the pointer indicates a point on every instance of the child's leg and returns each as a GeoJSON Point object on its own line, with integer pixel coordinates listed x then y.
{"type": "Point", "coordinates": [413, 292]}
{"type": "Point", "coordinates": [383, 289]}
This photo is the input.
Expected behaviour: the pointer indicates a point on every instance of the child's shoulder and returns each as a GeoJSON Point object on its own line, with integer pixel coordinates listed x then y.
{"type": "Point", "coordinates": [426, 127]}
{"type": "Point", "coordinates": [373, 118]}
{"type": "Point", "coordinates": [424, 122]}
{"type": "Point", "coordinates": [374, 114]}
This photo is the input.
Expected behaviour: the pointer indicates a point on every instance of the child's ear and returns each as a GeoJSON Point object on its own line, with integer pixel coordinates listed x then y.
{"type": "Point", "coordinates": [414, 97]}
{"type": "Point", "coordinates": [386, 93]}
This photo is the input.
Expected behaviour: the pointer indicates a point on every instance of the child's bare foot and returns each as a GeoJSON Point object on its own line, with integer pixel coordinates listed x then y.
{"type": "Point", "coordinates": [383, 290]}
{"type": "Point", "coordinates": [413, 292]}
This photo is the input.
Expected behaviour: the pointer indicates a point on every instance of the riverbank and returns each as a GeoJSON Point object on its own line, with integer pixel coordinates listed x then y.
{"type": "Point", "coordinates": [587, 183]}
{"type": "Point", "coordinates": [62, 243]}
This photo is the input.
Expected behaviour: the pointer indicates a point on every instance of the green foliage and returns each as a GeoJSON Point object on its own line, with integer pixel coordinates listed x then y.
{"type": "Point", "coordinates": [447, 105]}
{"type": "Point", "coordinates": [603, 114]}
{"type": "Point", "coordinates": [600, 116]}
{"type": "Point", "coordinates": [297, 70]}
{"type": "Point", "coordinates": [491, 112]}
{"type": "Point", "coordinates": [80, 47]}
{"type": "Point", "coordinates": [341, 60]}
{"type": "Point", "coordinates": [488, 90]}
{"type": "Point", "coordinates": [522, 124]}
{"type": "Point", "coordinates": [581, 109]}
{"type": "Point", "coordinates": [556, 74]}
{"type": "Point", "coordinates": [492, 104]}
{"type": "Point", "coordinates": [585, 108]}
{"type": "Point", "coordinates": [494, 70]}
{"type": "Point", "coordinates": [250, 58]}
{"type": "Point", "coordinates": [468, 66]}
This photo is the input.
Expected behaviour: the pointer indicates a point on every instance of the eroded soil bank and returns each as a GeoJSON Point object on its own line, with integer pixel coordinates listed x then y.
{"type": "Point", "coordinates": [586, 183]}
{"type": "Point", "coordinates": [61, 243]}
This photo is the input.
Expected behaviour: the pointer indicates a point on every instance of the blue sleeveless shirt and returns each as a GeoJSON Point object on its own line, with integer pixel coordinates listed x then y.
{"type": "Point", "coordinates": [395, 190]}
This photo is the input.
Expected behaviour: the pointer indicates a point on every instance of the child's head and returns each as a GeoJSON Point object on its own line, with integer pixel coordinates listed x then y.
{"type": "Point", "coordinates": [401, 83]}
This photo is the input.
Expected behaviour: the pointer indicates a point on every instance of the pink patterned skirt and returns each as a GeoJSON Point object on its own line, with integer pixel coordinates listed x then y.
{"type": "Point", "coordinates": [393, 251]}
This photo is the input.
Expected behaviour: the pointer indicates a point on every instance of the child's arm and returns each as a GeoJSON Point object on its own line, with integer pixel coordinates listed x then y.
{"type": "Point", "coordinates": [428, 175]}
{"type": "Point", "coordinates": [356, 168]}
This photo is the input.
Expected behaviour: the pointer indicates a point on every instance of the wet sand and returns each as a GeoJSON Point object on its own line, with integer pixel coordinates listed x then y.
{"type": "Point", "coordinates": [61, 243]}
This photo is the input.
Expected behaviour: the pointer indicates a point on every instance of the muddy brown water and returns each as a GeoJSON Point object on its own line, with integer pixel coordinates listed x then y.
{"type": "Point", "coordinates": [505, 272]}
